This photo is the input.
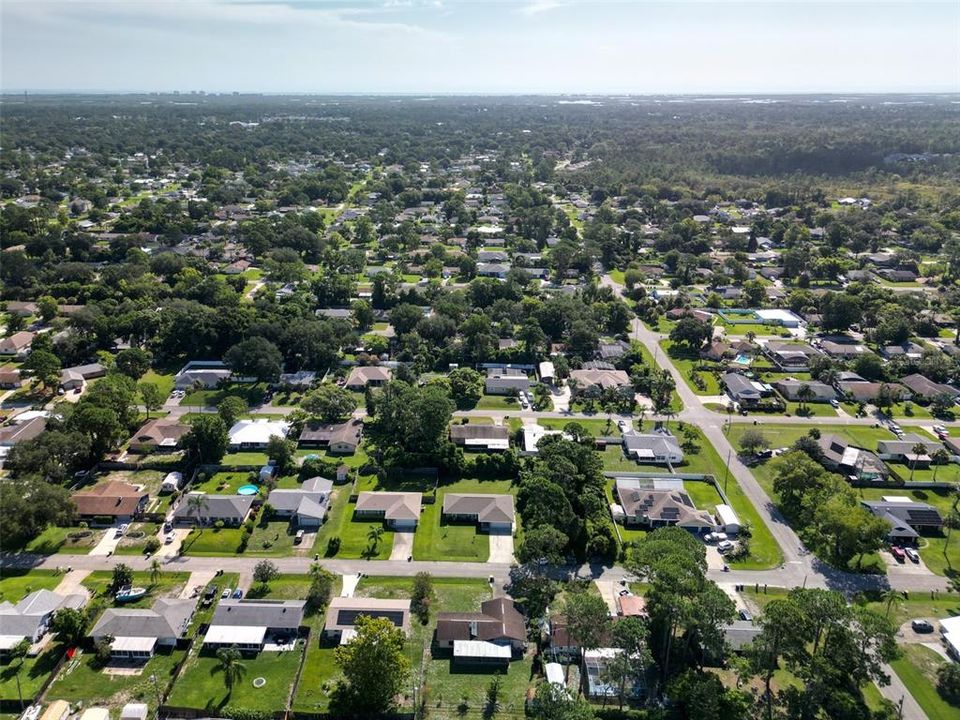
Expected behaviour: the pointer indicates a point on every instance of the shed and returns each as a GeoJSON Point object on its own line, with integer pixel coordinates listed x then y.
{"type": "Point", "coordinates": [171, 483]}
{"type": "Point", "coordinates": [57, 710]}
{"type": "Point", "coordinates": [134, 711]}
{"type": "Point", "coordinates": [554, 673]}
{"type": "Point", "coordinates": [727, 520]}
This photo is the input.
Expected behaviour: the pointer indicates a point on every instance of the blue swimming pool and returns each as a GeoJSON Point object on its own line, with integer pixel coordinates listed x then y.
{"type": "Point", "coordinates": [742, 359]}
{"type": "Point", "coordinates": [247, 490]}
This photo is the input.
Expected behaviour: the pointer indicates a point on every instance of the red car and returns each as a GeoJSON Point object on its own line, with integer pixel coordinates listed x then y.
{"type": "Point", "coordinates": [898, 553]}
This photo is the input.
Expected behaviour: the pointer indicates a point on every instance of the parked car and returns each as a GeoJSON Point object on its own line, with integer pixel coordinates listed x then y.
{"type": "Point", "coordinates": [238, 594]}
{"type": "Point", "coordinates": [834, 403]}
{"type": "Point", "coordinates": [912, 554]}
{"type": "Point", "coordinates": [898, 553]}
{"type": "Point", "coordinates": [169, 538]}
{"type": "Point", "coordinates": [724, 545]}
{"type": "Point", "coordinates": [622, 424]}
{"type": "Point", "coordinates": [122, 530]}
{"type": "Point", "coordinates": [746, 616]}
{"type": "Point", "coordinates": [225, 594]}
{"type": "Point", "coordinates": [298, 538]}
{"type": "Point", "coordinates": [922, 626]}
{"type": "Point", "coordinates": [168, 526]}
{"type": "Point", "coordinates": [209, 594]}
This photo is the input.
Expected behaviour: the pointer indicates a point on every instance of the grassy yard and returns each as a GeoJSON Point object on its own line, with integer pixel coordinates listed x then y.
{"type": "Point", "coordinates": [356, 538]}
{"type": "Point", "coordinates": [597, 428]}
{"type": "Point", "coordinates": [496, 402]}
{"type": "Point", "coordinates": [810, 410]}
{"type": "Point", "coordinates": [33, 674]}
{"type": "Point", "coordinates": [200, 683]}
{"type": "Point", "coordinates": [917, 668]}
{"type": "Point", "coordinates": [916, 605]}
{"type": "Point", "coordinates": [686, 361]}
{"type": "Point", "coordinates": [63, 540]}
{"type": "Point", "coordinates": [16, 584]}
{"type": "Point", "coordinates": [168, 584]}
{"type": "Point", "coordinates": [244, 458]}
{"type": "Point", "coordinates": [252, 393]}
{"type": "Point", "coordinates": [271, 539]}
{"type": "Point", "coordinates": [225, 483]}
{"type": "Point", "coordinates": [82, 680]}
{"type": "Point", "coordinates": [211, 541]}
{"type": "Point", "coordinates": [163, 381]}
{"type": "Point", "coordinates": [136, 538]}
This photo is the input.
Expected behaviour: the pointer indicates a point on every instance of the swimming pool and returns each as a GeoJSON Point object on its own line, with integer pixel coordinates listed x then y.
{"type": "Point", "coordinates": [247, 490]}
{"type": "Point", "coordinates": [742, 359]}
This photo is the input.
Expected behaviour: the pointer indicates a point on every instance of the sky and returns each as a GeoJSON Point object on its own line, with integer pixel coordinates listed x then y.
{"type": "Point", "coordinates": [474, 46]}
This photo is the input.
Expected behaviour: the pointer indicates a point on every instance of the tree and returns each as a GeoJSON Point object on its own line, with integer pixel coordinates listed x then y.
{"type": "Point", "coordinates": [421, 596]}
{"type": "Point", "coordinates": [133, 362]}
{"type": "Point", "coordinates": [154, 571]}
{"type": "Point", "coordinates": [374, 536]}
{"type": "Point", "coordinates": [699, 695]}
{"type": "Point", "coordinates": [122, 577]}
{"type": "Point", "coordinates": [588, 619]}
{"type": "Point", "coordinates": [29, 506]}
{"type": "Point", "coordinates": [69, 625]}
{"type": "Point", "coordinates": [255, 357]}
{"type": "Point", "coordinates": [16, 655]}
{"type": "Point", "coordinates": [948, 683]}
{"type": "Point", "coordinates": [230, 409]}
{"type": "Point", "coordinates": [321, 587]}
{"type": "Point", "coordinates": [691, 332]}
{"type": "Point", "coordinates": [531, 590]}
{"type": "Point", "coordinates": [412, 419]}
{"type": "Point", "coordinates": [374, 666]}
{"type": "Point", "coordinates": [330, 403]}
{"type": "Point", "coordinates": [554, 703]}
{"type": "Point", "coordinates": [543, 542]}
{"type": "Point", "coordinates": [466, 385]}
{"type": "Point", "coordinates": [230, 663]}
{"type": "Point", "coordinates": [151, 396]}
{"type": "Point", "coordinates": [805, 394]}
{"type": "Point", "coordinates": [44, 366]}
{"type": "Point", "coordinates": [362, 314]}
{"type": "Point", "coordinates": [753, 440]}
{"type": "Point", "coordinates": [103, 649]}
{"type": "Point", "coordinates": [283, 452]}
{"type": "Point", "coordinates": [404, 318]}
{"type": "Point", "coordinates": [265, 571]}
{"type": "Point", "coordinates": [939, 457]}
{"type": "Point", "coordinates": [207, 440]}
{"type": "Point", "coordinates": [889, 598]}
{"type": "Point", "coordinates": [196, 505]}
{"type": "Point", "coordinates": [919, 450]}
{"type": "Point", "coordinates": [47, 307]}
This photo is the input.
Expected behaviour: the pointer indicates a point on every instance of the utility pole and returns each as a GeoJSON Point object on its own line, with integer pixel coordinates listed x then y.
{"type": "Point", "coordinates": [726, 472]}
{"type": "Point", "coordinates": [900, 709]}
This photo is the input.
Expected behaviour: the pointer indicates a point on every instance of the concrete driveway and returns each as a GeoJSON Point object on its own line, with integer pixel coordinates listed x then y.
{"type": "Point", "coordinates": [402, 545]}
{"type": "Point", "coordinates": [501, 548]}
{"type": "Point", "coordinates": [561, 398]}
{"type": "Point", "coordinates": [907, 567]}
{"type": "Point", "coordinates": [170, 550]}
{"type": "Point", "coordinates": [608, 591]}
{"type": "Point", "coordinates": [107, 544]}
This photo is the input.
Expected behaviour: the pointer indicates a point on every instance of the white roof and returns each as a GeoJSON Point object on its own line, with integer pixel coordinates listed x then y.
{"type": "Point", "coordinates": [554, 673]}
{"type": "Point", "coordinates": [134, 711]}
{"type": "Point", "coordinates": [778, 314]}
{"type": "Point", "coordinates": [950, 625]}
{"type": "Point", "coordinates": [134, 644]}
{"type": "Point", "coordinates": [235, 634]}
{"type": "Point", "coordinates": [547, 369]}
{"type": "Point", "coordinates": [897, 499]}
{"type": "Point", "coordinates": [480, 649]}
{"type": "Point", "coordinates": [346, 635]}
{"type": "Point", "coordinates": [953, 640]}
{"type": "Point", "coordinates": [257, 432]}
{"type": "Point", "coordinates": [532, 435]}
{"type": "Point", "coordinates": [173, 478]}
{"type": "Point", "coordinates": [726, 515]}
{"type": "Point", "coordinates": [95, 713]}
{"type": "Point", "coordinates": [8, 642]}
{"type": "Point", "coordinates": [492, 443]}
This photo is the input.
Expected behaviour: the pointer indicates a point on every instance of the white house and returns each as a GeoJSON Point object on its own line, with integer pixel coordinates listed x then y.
{"type": "Point", "coordinates": [255, 434]}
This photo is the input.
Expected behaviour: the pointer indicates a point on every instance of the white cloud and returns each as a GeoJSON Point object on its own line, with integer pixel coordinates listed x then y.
{"type": "Point", "coordinates": [536, 7]}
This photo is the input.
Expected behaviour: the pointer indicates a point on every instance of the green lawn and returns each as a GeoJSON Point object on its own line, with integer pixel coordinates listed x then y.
{"type": "Point", "coordinates": [16, 584]}
{"type": "Point", "coordinates": [33, 674]}
{"type": "Point", "coordinates": [163, 381]}
{"type": "Point", "coordinates": [82, 680]}
{"type": "Point", "coordinates": [200, 684]}
{"type": "Point", "coordinates": [211, 541]}
{"type": "Point", "coordinates": [597, 428]}
{"type": "Point", "coordinates": [244, 458]}
{"type": "Point", "coordinates": [252, 393]}
{"type": "Point", "coordinates": [916, 605]}
{"type": "Point", "coordinates": [58, 540]}
{"type": "Point", "coordinates": [811, 410]}
{"type": "Point", "coordinates": [168, 584]}
{"type": "Point", "coordinates": [225, 483]}
{"type": "Point", "coordinates": [271, 539]}
{"type": "Point", "coordinates": [135, 541]}
{"type": "Point", "coordinates": [917, 668]}
{"type": "Point", "coordinates": [497, 402]}
{"type": "Point", "coordinates": [687, 361]}
{"type": "Point", "coordinates": [703, 494]}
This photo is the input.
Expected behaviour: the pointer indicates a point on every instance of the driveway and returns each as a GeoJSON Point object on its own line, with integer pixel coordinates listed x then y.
{"type": "Point", "coordinates": [402, 545]}
{"type": "Point", "coordinates": [72, 583]}
{"type": "Point", "coordinates": [907, 567]}
{"type": "Point", "coordinates": [169, 550]}
{"type": "Point", "coordinates": [608, 591]}
{"type": "Point", "coordinates": [107, 544]}
{"type": "Point", "coordinates": [201, 578]}
{"type": "Point", "coordinates": [561, 399]}
{"type": "Point", "coordinates": [501, 548]}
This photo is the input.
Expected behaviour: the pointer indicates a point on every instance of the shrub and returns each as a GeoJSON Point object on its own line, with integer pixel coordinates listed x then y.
{"type": "Point", "coordinates": [948, 683]}
{"type": "Point", "coordinates": [151, 546]}
{"type": "Point", "coordinates": [333, 546]}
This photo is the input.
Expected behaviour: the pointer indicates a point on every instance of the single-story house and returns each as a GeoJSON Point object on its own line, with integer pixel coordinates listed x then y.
{"type": "Point", "coordinates": [740, 634]}
{"type": "Point", "coordinates": [925, 389]}
{"type": "Point", "coordinates": [250, 625]}
{"type": "Point", "coordinates": [779, 316]}
{"type": "Point", "coordinates": [116, 500]}
{"type": "Point", "coordinates": [744, 390]}
{"type": "Point", "coordinates": [506, 381]}
{"type": "Point", "coordinates": [907, 349]}
{"type": "Point", "coordinates": [17, 345]}
{"type": "Point", "coordinates": [657, 448]}
{"type": "Point", "coordinates": [492, 512]}
{"type": "Point", "coordinates": [790, 389]}
{"type": "Point", "coordinates": [844, 349]}
{"type": "Point", "coordinates": [22, 308]}
{"type": "Point", "coordinates": [230, 509]}
{"type": "Point", "coordinates": [30, 618]}
{"type": "Point", "coordinates": [908, 519]}
{"type": "Point", "coordinates": [399, 510]}
{"type": "Point", "coordinates": [203, 373]}
{"type": "Point", "coordinates": [342, 438]}
{"type": "Point", "coordinates": [631, 606]}
{"type": "Point", "coordinates": [839, 456]}
{"type": "Point", "coordinates": [160, 433]}
{"type": "Point", "coordinates": [604, 379]}
{"type": "Point", "coordinates": [614, 350]}
{"type": "Point", "coordinates": [74, 377]}
{"type": "Point", "coordinates": [342, 614]}
{"type": "Point", "coordinates": [481, 437]}
{"type": "Point", "coordinates": [372, 375]}
{"type": "Point", "coordinates": [494, 635]}
{"type": "Point", "coordinates": [19, 429]}
{"type": "Point", "coordinates": [869, 391]}
{"type": "Point", "coordinates": [306, 506]}
{"type": "Point", "coordinates": [902, 449]}
{"type": "Point", "coordinates": [137, 633]}
{"type": "Point", "coordinates": [790, 355]}
{"type": "Point", "coordinates": [559, 643]}
{"type": "Point", "coordinates": [255, 434]}
{"type": "Point", "coordinates": [10, 377]}
{"type": "Point", "coordinates": [301, 379]}
{"type": "Point", "coordinates": [650, 507]}
{"type": "Point", "coordinates": [532, 434]}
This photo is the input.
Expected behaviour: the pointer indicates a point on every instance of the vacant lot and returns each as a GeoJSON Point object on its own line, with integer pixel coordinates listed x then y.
{"type": "Point", "coordinates": [16, 584]}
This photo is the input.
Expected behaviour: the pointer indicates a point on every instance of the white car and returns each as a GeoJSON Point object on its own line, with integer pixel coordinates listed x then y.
{"type": "Point", "coordinates": [622, 424]}
{"type": "Point", "coordinates": [122, 530]}
{"type": "Point", "coordinates": [169, 538]}
{"type": "Point", "coordinates": [939, 429]}
{"type": "Point", "coordinates": [912, 554]}
{"type": "Point", "coordinates": [724, 545]}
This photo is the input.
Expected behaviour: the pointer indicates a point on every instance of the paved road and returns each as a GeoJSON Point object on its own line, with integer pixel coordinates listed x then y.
{"type": "Point", "coordinates": [896, 692]}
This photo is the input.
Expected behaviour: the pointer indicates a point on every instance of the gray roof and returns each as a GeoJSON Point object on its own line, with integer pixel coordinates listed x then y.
{"type": "Point", "coordinates": [25, 617]}
{"type": "Point", "coordinates": [218, 506]}
{"type": "Point", "coordinates": [487, 508]}
{"type": "Point", "coordinates": [913, 514]}
{"type": "Point", "coordinates": [166, 619]}
{"type": "Point", "coordinates": [313, 497]}
{"type": "Point", "coordinates": [658, 443]}
{"type": "Point", "coordinates": [740, 633]}
{"type": "Point", "coordinates": [790, 389]}
{"type": "Point", "coordinates": [285, 614]}
{"type": "Point", "coordinates": [904, 445]}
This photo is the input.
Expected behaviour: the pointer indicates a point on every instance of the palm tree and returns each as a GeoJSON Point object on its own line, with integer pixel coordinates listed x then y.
{"type": "Point", "coordinates": [17, 655]}
{"type": "Point", "coordinates": [154, 571]}
{"type": "Point", "coordinates": [940, 457]}
{"type": "Point", "coordinates": [804, 394]}
{"type": "Point", "coordinates": [374, 537]}
{"type": "Point", "coordinates": [917, 450]}
{"type": "Point", "coordinates": [197, 503]}
{"type": "Point", "coordinates": [889, 598]}
{"type": "Point", "coordinates": [231, 667]}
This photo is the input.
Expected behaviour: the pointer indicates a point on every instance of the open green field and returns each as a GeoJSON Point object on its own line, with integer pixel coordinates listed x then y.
{"type": "Point", "coordinates": [917, 668]}
{"type": "Point", "coordinates": [16, 584]}
{"type": "Point", "coordinates": [438, 540]}
{"type": "Point", "coordinates": [687, 361]}
{"type": "Point", "coordinates": [496, 402]}
{"type": "Point", "coordinates": [58, 540]}
{"type": "Point", "coordinates": [357, 538]}
{"type": "Point", "coordinates": [271, 539]}
{"type": "Point", "coordinates": [252, 393]}
{"type": "Point", "coordinates": [213, 541]}
{"type": "Point", "coordinates": [163, 381]}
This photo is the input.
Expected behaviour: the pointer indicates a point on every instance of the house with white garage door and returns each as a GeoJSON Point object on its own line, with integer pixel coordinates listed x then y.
{"type": "Point", "coordinates": [492, 512]}
{"type": "Point", "coordinates": [399, 510]}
